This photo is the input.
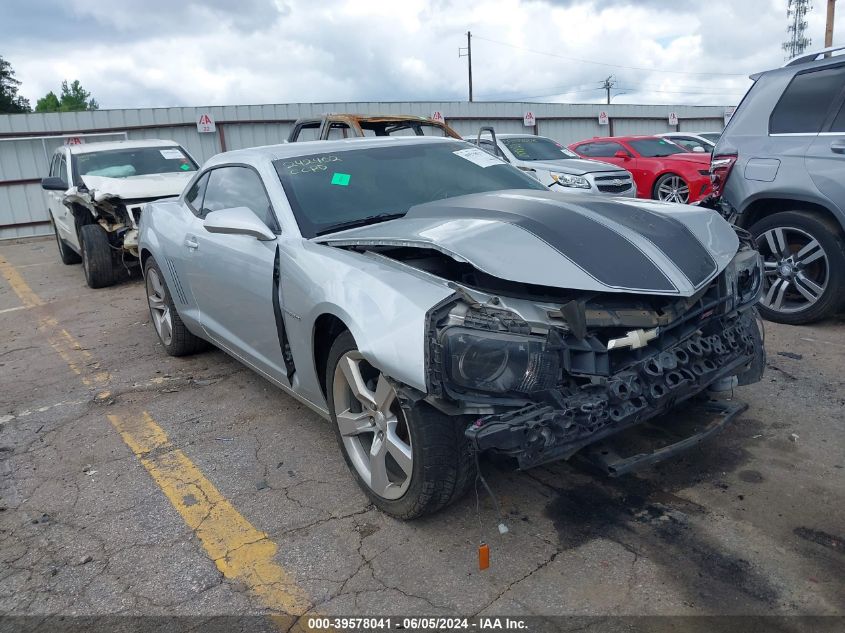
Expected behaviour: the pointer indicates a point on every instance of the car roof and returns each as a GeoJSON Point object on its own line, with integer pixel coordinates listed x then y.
{"type": "Point", "coordinates": [670, 134]}
{"type": "Point", "coordinates": [307, 148]}
{"type": "Point", "coordinates": [512, 135]}
{"type": "Point", "coordinates": [105, 146]}
{"type": "Point", "coordinates": [596, 139]}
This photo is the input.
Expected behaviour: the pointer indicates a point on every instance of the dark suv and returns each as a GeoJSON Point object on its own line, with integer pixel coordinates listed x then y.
{"type": "Point", "coordinates": [779, 167]}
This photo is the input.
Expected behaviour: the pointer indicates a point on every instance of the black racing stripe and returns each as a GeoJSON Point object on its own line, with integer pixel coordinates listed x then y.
{"type": "Point", "coordinates": [598, 250]}
{"type": "Point", "coordinates": [667, 233]}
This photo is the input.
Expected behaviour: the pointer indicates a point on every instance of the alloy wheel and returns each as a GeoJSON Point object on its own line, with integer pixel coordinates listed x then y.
{"type": "Point", "coordinates": [159, 308]}
{"type": "Point", "coordinates": [796, 269]}
{"type": "Point", "coordinates": [673, 189]}
{"type": "Point", "coordinates": [372, 425]}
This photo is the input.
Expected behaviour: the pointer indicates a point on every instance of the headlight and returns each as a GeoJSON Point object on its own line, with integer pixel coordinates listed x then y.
{"type": "Point", "coordinates": [744, 276]}
{"type": "Point", "coordinates": [567, 180]}
{"type": "Point", "coordinates": [498, 362]}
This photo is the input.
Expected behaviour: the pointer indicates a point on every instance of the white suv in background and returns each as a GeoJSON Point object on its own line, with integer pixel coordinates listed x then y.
{"type": "Point", "coordinates": [95, 194]}
{"type": "Point", "coordinates": [556, 166]}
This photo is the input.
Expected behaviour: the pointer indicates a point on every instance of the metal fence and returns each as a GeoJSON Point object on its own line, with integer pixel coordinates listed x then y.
{"type": "Point", "coordinates": [27, 141]}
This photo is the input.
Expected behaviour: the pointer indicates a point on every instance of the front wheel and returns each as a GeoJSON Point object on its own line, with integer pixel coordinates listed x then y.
{"type": "Point", "coordinates": [97, 260]}
{"type": "Point", "coordinates": [175, 337]}
{"type": "Point", "coordinates": [671, 188]}
{"type": "Point", "coordinates": [409, 460]}
{"type": "Point", "coordinates": [804, 266]}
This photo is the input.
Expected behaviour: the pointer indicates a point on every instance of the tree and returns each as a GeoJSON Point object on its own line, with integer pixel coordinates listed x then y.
{"type": "Point", "coordinates": [10, 101]}
{"type": "Point", "coordinates": [48, 103]}
{"type": "Point", "coordinates": [74, 99]}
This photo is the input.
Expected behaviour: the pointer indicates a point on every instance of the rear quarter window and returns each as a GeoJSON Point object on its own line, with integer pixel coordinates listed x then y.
{"type": "Point", "coordinates": [805, 103]}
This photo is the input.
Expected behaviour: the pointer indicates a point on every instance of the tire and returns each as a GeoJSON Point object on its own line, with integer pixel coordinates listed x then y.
{"type": "Point", "coordinates": [174, 336]}
{"type": "Point", "coordinates": [66, 253]}
{"type": "Point", "coordinates": [441, 465]}
{"type": "Point", "coordinates": [97, 260]}
{"type": "Point", "coordinates": [671, 188]}
{"type": "Point", "coordinates": [804, 266]}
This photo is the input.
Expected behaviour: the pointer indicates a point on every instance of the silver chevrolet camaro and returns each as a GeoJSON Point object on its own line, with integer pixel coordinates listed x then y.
{"type": "Point", "coordinates": [434, 302]}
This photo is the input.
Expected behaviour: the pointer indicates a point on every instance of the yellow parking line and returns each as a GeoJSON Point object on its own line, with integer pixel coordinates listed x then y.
{"type": "Point", "coordinates": [21, 288]}
{"type": "Point", "coordinates": [239, 550]}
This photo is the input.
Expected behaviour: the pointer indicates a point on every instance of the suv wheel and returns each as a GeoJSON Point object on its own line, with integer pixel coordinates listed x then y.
{"type": "Point", "coordinates": [804, 260]}
{"type": "Point", "coordinates": [409, 460]}
{"type": "Point", "coordinates": [671, 188]}
{"type": "Point", "coordinates": [97, 260]}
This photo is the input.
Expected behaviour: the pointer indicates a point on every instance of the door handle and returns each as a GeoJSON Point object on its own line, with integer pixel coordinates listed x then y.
{"type": "Point", "coordinates": [191, 243]}
{"type": "Point", "coordinates": [837, 147]}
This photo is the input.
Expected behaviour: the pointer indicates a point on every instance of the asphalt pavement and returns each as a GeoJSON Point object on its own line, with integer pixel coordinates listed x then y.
{"type": "Point", "coordinates": [138, 484]}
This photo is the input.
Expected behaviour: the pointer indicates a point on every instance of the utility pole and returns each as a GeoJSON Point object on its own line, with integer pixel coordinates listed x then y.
{"type": "Point", "coordinates": [467, 52]}
{"type": "Point", "coordinates": [828, 31]}
{"type": "Point", "coordinates": [609, 83]}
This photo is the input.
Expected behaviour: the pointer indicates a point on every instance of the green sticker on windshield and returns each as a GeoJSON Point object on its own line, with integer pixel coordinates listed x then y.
{"type": "Point", "coordinates": [184, 166]}
{"type": "Point", "coordinates": [341, 179]}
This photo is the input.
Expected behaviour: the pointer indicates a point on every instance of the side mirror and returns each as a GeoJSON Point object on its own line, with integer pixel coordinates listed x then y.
{"type": "Point", "coordinates": [237, 221]}
{"type": "Point", "coordinates": [621, 153]}
{"type": "Point", "coordinates": [698, 149]}
{"type": "Point", "coordinates": [53, 184]}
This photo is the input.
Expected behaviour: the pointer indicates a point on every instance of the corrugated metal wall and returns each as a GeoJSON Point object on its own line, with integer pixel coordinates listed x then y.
{"type": "Point", "coordinates": [23, 161]}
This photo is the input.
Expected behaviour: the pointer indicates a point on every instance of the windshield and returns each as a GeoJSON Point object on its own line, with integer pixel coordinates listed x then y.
{"type": "Point", "coordinates": [336, 188]}
{"type": "Point", "coordinates": [138, 161]}
{"type": "Point", "coordinates": [537, 148]}
{"type": "Point", "coordinates": [713, 137]}
{"type": "Point", "coordinates": [654, 147]}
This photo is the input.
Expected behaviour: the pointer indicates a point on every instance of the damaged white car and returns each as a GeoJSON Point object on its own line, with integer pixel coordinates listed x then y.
{"type": "Point", "coordinates": [434, 302]}
{"type": "Point", "coordinates": [96, 193]}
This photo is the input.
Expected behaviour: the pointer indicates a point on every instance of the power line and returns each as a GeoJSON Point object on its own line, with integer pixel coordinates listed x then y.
{"type": "Point", "coordinates": [584, 88]}
{"type": "Point", "coordinates": [588, 61]}
{"type": "Point", "coordinates": [562, 90]}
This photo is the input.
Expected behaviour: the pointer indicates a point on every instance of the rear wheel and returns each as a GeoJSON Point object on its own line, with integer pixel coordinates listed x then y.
{"type": "Point", "coordinates": [804, 264]}
{"type": "Point", "coordinates": [409, 460]}
{"type": "Point", "coordinates": [66, 253]}
{"type": "Point", "coordinates": [671, 188]}
{"type": "Point", "coordinates": [175, 337]}
{"type": "Point", "coordinates": [97, 261]}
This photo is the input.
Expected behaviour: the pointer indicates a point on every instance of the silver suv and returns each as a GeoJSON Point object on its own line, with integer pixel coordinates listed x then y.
{"type": "Point", "coordinates": [779, 167]}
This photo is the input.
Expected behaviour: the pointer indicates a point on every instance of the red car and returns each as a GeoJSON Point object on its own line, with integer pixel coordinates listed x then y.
{"type": "Point", "coordinates": [661, 169]}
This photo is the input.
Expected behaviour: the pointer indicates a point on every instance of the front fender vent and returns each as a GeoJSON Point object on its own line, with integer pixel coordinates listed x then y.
{"type": "Point", "coordinates": [177, 285]}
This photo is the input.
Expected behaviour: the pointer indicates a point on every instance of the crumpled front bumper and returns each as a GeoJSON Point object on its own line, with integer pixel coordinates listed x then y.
{"type": "Point", "coordinates": [564, 423]}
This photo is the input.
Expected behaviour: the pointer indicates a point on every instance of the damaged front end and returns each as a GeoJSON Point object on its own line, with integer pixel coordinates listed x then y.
{"type": "Point", "coordinates": [118, 216]}
{"type": "Point", "coordinates": [597, 365]}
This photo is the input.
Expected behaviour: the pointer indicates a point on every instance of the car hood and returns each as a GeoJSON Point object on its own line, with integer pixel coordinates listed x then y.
{"type": "Point", "coordinates": [138, 187]}
{"type": "Point", "coordinates": [574, 166]}
{"type": "Point", "coordinates": [540, 238]}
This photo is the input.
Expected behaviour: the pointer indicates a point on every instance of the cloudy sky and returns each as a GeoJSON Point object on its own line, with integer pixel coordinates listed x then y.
{"type": "Point", "coordinates": [211, 52]}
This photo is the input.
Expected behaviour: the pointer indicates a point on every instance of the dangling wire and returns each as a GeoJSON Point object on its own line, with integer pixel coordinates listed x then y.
{"type": "Point", "coordinates": [503, 529]}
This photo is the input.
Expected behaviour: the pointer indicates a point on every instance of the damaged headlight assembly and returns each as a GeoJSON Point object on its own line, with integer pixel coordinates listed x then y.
{"type": "Point", "coordinates": [498, 362]}
{"type": "Point", "coordinates": [744, 277]}
{"type": "Point", "coordinates": [567, 180]}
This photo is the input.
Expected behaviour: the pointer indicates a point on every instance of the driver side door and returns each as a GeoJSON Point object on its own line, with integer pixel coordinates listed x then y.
{"type": "Point", "coordinates": [61, 214]}
{"type": "Point", "coordinates": [234, 278]}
